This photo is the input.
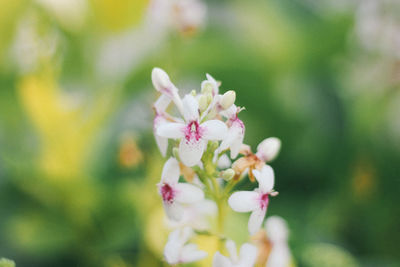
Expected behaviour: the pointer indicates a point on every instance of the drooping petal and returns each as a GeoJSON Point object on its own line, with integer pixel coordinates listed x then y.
{"type": "Point", "coordinates": [214, 130]}
{"type": "Point", "coordinates": [190, 152]}
{"type": "Point", "coordinates": [170, 173]}
{"type": "Point", "coordinates": [231, 136]}
{"type": "Point", "coordinates": [265, 178]}
{"type": "Point", "coordinates": [171, 130]}
{"type": "Point", "coordinates": [248, 255]}
{"type": "Point", "coordinates": [232, 250]}
{"type": "Point", "coordinates": [244, 201]}
{"type": "Point", "coordinates": [190, 108]}
{"type": "Point", "coordinates": [190, 253]}
{"type": "Point", "coordinates": [268, 149]}
{"type": "Point", "coordinates": [234, 138]}
{"type": "Point", "coordinates": [174, 210]}
{"type": "Point", "coordinates": [255, 220]}
{"type": "Point", "coordinates": [235, 147]}
{"type": "Point", "coordinates": [187, 193]}
{"type": "Point", "coordinates": [162, 103]}
{"type": "Point", "coordinates": [220, 260]}
{"type": "Point", "coordinates": [162, 144]}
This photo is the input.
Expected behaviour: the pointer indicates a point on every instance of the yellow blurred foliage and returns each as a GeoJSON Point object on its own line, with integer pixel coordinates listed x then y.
{"type": "Point", "coordinates": [66, 133]}
{"type": "Point", "coordinates": [117, 15]}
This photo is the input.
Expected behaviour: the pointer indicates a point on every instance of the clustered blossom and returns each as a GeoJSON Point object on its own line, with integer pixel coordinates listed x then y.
{"type": "Point", "coordinates": [201, 137]}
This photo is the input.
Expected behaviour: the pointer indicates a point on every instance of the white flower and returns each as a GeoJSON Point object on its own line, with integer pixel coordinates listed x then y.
{"type": "Point", "coordinates": [194, 136]}
{"type": "Point", "coordinates": [177, 251]}
{"type": "Point", "coordinates": [175, 194]}
{"type": "Point", "coordinates": [255, 201]}
{"type": "Point", "coordinates": [247, 256]}
{"type": "Point", "coordinates": [196, 215]}
{"type": "Point", "coordinates": [277, 233]}
{"type": "Point", "coordinates": [235, 136]}
{"type": "Point", "coordinates": [268, 149]}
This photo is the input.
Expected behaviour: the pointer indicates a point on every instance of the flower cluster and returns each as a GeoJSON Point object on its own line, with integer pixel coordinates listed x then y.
{"type": "Point", "coordinates": [201, 134]}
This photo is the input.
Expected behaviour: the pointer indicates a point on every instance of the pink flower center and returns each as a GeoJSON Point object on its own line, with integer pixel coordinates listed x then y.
{"type": "Point", "coordinates": [167, 193]}
{"type": "Point", "coordinates": [264, 200]}
{"type": "Point", "coordinates": [193, 131]}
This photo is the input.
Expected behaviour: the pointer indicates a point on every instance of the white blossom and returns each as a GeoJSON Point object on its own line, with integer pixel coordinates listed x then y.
{"type": "Point", "coordinates": [175, 195]}
{"type": "Point", "coordinates": [255, 201]}
{"type": "Point", "coordinates": [246, 258]}
{"type": "Point", "coordinates": [193, 134]}
{"type": "Point", "coordinates": [177, 251]}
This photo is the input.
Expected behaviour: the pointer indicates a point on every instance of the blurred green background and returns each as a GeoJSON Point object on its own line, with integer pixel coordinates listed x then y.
{"type": "Point", "coordinates": [79, 164]}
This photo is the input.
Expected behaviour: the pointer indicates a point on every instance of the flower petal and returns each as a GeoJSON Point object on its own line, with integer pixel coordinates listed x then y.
{"type": "Point", "coordinates": [162, 103]}
{"type": "Point", "coordinates": [277, 229]}
{"type": "Point", "coordinates": [268, 149]}
{"type": "Point", "coordinates": [173, 210]}
{"type": "Point", "coordinates": [170, 173]}
{"type": "Point", "coordinates": [190, 108]}
{"type": "Point", "coordinates": [279, 256]}
{"type": "Point", "coordinates": [234, 138]}
{"type": "Point", "coordinates": [171, 130]}
{"type": "Point", "coordinates": [190, 253]}
{"type": "Point", "coordinates": [220, 260]}
{"type": "Point", "coordinates": [224, 162]}
{"type": "Point", "coordinates": [162, 144]}
{"type": "Point", "coordinates": [248, 254]}
{"type": "Point", "coordinates": [265, 178]}
{"type": "Point", "coordinates": [173, 248]}
{"type": "Point", "coordinates": [214, 130]}
{"type": "Point", "coordinates": [232, 250]}
{"type": "Point", "coordinates": [230, 137]}
{"type": "Point", "coordinates": [255, 220]}
{"type": "Point", "coordinates": [187, 193]}
{"type": "Point", "coordinates": [190, 152]}
{"type": "Point", "coordinates": [243, 201]}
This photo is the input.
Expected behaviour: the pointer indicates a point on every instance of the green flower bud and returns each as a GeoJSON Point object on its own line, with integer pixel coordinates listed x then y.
{"type": "Point", "coordinates": [203, 103]}
{"type": "Point", "coordinates": [228, 174]}
{"type": "Point", "coordinates": [207, 88]}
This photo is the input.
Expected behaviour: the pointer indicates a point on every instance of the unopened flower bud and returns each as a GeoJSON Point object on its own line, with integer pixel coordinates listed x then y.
{"type": "Point", "coordinates": [228, 174]}
{"type": "Point", "coordinates": [268, 149]}
{"type": "Point", "coordinates": [193, 93]}
{"type": "Point", "coordinates": [203, 103]}
{"type": "Point", "coordinates": [228, 99]}
{"type": "Point", "coordinates": [160, 79]}
{"type": "Point", "coordinates": [206, 88]}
